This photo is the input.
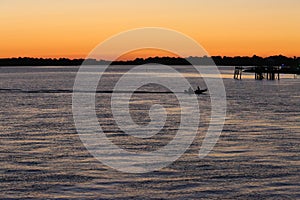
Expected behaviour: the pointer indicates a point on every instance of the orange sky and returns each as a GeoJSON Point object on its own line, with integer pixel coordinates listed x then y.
{"type": "Point", "coordinates": [72, 28]}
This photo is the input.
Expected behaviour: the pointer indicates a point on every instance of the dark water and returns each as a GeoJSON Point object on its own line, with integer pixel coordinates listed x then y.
{"type": "Point", "coordinates": [42, 156]}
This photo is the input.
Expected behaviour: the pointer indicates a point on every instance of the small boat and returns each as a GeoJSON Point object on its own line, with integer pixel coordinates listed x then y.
{"type": "Point", "coordinates": [198, 91]}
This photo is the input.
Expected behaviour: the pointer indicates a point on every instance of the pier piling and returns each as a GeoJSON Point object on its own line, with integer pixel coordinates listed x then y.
{"type": "Point", "coordinates": [261, 72]}
{"type": "Point", "coordinates": [238, 73]}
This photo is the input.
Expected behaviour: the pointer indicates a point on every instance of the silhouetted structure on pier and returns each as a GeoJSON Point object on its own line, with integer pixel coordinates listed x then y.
{"type": "Point", "coordinates": [265, 72]}
{"type": "Point", "coordinates": [269, 73]}
{"type": "Point", "coordinates": [238, 72]}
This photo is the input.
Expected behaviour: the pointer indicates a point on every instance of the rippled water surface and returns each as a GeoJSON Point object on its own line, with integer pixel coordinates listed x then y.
{"type": "Point", "coordinates": [42, 156]}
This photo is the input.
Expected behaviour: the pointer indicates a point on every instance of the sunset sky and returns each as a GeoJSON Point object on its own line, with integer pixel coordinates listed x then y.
{"type": "Point", "coordinates": [72, 28]}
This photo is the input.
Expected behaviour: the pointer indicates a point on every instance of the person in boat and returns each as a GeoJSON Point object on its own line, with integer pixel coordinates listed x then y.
{"type": "Point", "coordinates": [198, 90]}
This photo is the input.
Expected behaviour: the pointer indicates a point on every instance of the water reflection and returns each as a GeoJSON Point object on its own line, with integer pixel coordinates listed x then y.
{"type": "Point", "coordinates": [257, 155]}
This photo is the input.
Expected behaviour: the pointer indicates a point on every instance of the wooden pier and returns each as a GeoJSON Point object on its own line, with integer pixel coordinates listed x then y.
{"type": "Point", "coordinates": [269, 73]}
{"type": "Point", "coordinates": [260, 72]}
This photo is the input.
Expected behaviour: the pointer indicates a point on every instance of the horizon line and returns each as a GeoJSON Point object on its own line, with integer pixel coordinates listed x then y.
{"type": "Point", "coordinates": [145, 58]}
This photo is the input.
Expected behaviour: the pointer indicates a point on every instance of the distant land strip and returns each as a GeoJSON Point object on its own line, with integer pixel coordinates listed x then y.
{"type": "Point", "coordinates": [277, 60]}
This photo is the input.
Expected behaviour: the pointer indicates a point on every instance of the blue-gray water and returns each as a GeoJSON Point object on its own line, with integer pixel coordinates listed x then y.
{"type": "Point", "coordinates": [256, 157]}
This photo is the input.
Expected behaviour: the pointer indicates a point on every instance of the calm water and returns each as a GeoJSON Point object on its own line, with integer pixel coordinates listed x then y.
{"type": "Point", "coordinates": [256, 157]}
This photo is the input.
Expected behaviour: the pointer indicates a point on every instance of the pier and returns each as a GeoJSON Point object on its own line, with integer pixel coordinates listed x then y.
{"type": "Point", "coordinates": [269, 73]}
{"type": "Point", "coordinates": [265, 72]}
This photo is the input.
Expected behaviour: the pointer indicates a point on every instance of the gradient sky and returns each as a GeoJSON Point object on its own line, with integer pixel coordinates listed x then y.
{"type": "Point", "coordinates": [72, 28]}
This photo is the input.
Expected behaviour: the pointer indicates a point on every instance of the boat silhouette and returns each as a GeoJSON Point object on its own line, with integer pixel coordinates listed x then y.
{"type": "Point", "coordinates": [198, 91]}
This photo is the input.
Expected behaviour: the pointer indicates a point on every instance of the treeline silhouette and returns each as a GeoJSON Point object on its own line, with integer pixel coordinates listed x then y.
{"type": "Point", "coordinates": [277, 60]}
{"type": "Point", "coordinates": [43, 61]}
